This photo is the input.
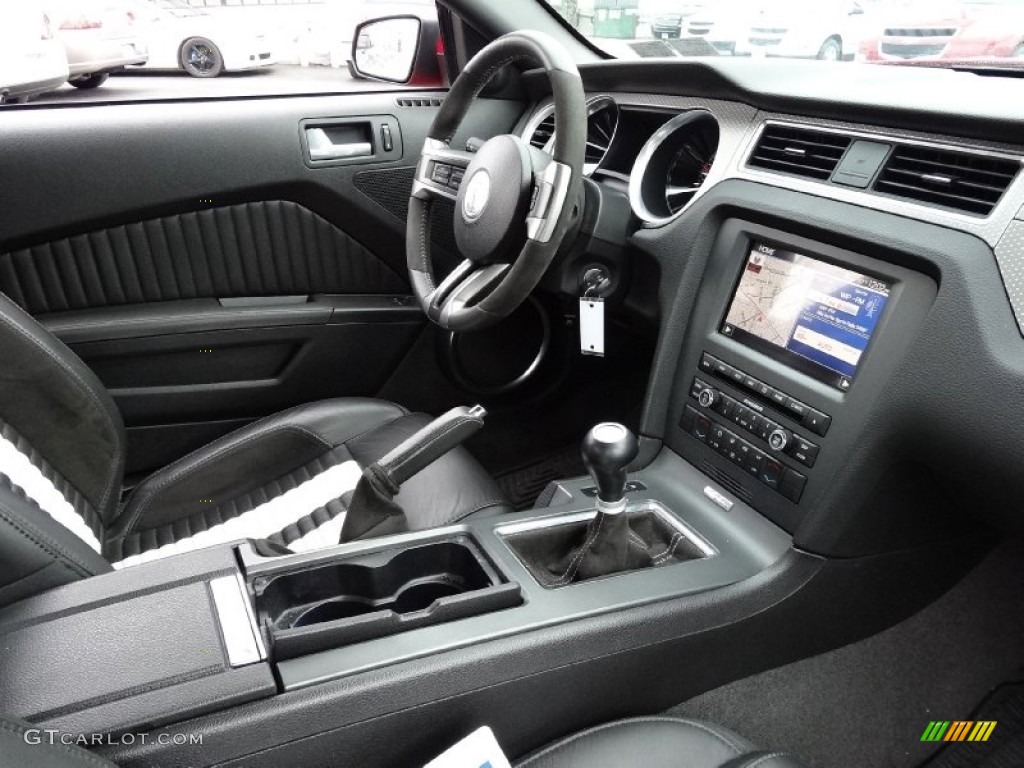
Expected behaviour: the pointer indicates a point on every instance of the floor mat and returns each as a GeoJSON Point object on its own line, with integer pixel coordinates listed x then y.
{"type": "Point", "coordinates": [522, 486]}
{"type": "Point", "coordinates": [867, 704]}
{"type": "Point", "coordinates": [1005, 745]}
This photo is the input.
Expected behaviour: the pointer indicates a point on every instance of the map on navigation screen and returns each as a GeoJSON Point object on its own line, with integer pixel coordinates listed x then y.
{"type": "Point", "coordinates": [816, 311]}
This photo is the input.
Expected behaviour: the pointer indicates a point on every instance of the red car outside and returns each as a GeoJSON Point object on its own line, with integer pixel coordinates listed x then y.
{"type": "Point", "coordinates": [975, 30]}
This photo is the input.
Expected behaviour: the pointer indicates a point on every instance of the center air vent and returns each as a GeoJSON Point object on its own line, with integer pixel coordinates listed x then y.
{"type": "Point", "coordinates": [963, 181]}
{"type": "Point", "coordinates": [798, 151]}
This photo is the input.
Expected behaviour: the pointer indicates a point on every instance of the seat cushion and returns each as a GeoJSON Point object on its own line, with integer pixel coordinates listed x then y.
{"type": "Point", "coordinates": [656, 742]}
{"type": "Point", "coordinates": [289, 478]}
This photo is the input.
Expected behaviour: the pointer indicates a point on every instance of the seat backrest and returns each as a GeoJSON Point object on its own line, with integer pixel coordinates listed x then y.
{"type": "Point", "coordinates": [62, 451]}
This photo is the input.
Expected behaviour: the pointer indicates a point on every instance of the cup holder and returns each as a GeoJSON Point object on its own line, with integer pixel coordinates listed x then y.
{"type": "Point", "coordinates": [359, 598]}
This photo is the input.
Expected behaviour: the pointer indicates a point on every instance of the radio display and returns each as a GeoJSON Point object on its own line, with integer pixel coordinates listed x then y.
{"type": "Point", "coordinates": [812, 315]}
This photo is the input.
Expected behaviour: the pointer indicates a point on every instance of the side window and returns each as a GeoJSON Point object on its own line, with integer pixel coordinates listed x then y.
{"type": "Point", "coordinates": [65, 51]}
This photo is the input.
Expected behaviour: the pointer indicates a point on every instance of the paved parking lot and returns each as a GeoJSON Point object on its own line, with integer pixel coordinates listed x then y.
{"type": "Point", "coordinates": [138, 85]}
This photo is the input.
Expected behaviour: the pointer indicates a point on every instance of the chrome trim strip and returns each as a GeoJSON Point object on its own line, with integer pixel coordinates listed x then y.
{"type": "Point", "coordinates": [542, 523]}
{"type": "Point", "coordinates": [237, 621]}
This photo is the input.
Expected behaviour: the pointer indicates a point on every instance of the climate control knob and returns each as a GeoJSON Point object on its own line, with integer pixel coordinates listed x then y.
{"type": "Point", "coordinates": [780, 439]}
{"type": "Point", "coordinates": [708, 398]}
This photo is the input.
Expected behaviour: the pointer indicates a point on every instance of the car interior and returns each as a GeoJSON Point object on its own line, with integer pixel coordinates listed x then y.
{"type": "Point", "coordinates": [661, 412]}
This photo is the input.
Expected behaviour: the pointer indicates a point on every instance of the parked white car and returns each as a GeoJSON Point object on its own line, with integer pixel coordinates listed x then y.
{"type": "Point", "coordinates": [99, 37]}
{"type": "Point", "coordinates": [830, 30]}
{"type": "Point", "coordinates": [31, 60]}
{"type": "Point", "coordinates": [201, 42]}
{"type": "Point", "coordinates": [810, 29]}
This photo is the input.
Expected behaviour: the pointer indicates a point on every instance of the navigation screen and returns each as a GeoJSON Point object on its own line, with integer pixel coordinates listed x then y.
{"type": "Point", "coordinates": [815, 316]}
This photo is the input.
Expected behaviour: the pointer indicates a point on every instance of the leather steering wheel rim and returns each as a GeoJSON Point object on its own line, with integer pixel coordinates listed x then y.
{"type": "Point", "coordinates": [480, 292]}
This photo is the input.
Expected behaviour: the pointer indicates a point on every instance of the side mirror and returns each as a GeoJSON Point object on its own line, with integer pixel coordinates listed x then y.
{"type": "Point", "coordinates": [398, 49]}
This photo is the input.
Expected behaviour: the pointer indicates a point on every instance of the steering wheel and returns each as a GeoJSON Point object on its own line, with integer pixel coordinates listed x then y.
{"type": "Point", "coordinates": [513, 202]}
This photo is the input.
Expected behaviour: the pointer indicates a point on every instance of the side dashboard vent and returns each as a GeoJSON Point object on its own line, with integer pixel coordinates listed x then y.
{"type": "Point", "coordinates": [406, 102]}
{"type": "Point", "coordinates": [963, 181]}
{"type": "Point", "coordinates": [542, 135]}
{"type": "Point", "coordinates": [799, 151]}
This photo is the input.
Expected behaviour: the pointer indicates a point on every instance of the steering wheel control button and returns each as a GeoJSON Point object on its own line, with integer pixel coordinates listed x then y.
{"type": "Point", "coordinates": [441, 173]}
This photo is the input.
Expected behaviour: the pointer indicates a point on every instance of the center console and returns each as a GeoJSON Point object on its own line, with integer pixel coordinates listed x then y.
{"type": "Point", "coordinates": [650, 588]}
{"type": "Point", "coordinates": [790, 342]}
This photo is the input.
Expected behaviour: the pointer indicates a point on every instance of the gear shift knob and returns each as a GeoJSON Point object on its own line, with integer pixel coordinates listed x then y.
{"type": "Point", "coordinates": [607, 450]}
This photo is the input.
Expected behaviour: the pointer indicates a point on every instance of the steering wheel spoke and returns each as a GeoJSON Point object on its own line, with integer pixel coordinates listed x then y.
{"type": "Point", "coordinates": [513, 205]}
{"type": "Point", "coordinates": [440, 171]}
{"type": "Point", "coordinates": [466, 286]}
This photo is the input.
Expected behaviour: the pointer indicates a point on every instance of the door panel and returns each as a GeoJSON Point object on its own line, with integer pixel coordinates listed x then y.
{"type": "Point", "coordinates": [207, 271]}
{"type": "Point", "coordinates": [273, 248]}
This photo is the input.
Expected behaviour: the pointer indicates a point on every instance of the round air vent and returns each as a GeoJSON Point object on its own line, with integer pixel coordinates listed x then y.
{"type": "Point", "coordinates": [673, 166]}
{"type": "Point", "coordinates": [602, 123]}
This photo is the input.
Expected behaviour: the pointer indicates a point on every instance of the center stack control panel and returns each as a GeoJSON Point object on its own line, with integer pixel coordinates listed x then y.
{"type": "Point", "coordinates": [772, 437]}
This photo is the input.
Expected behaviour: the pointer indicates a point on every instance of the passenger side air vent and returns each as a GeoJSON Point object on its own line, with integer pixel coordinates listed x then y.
{"type": "Point", "coordinates": [404, 102]}
{"type": "Point", "coordinates": [799, 151]}
{"type": "Point", "coordinates": [544, 132]}
{"type": "Point", "coordinates": [963, 181]}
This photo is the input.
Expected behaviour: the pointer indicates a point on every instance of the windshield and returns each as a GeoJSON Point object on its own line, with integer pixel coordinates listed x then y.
{"type": "Point", "coordinates": [935, 33]}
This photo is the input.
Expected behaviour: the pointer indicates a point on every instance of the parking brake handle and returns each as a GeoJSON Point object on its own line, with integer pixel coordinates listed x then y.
{"type": "Point", "coordinates": [373, 511]}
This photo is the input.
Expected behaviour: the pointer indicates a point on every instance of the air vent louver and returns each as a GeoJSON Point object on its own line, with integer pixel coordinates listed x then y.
{"type": "Point", "coordinates": [404, 102]}
{"type": "Point", "coordinates": [798, 151]}
{"type": "Point", "coordinates": [947, 178]}
{"type": "Point", "coordinates": [544, 132]}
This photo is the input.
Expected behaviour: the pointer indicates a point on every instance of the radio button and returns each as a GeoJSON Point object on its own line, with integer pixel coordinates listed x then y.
{"type": "Point", "coordinates": [817, 422]}
{"type": "Point", "coordinates": [779, 398]}
{"type": "Point", "coordinates": [689, 419]}
{"type": "Point", "coordinates": [750, 383]}
{"type": "Point", "coordinates": [780, 439]}
{"type": "Point", "coordinates": [763, 390]}
{"type": "Point", "coordinates": [726, 406]}
{"type": "Point", "coordinates": [744, 417]}
{"type": "Point", "coordinates": [708, 398]}
{"type": "Point", "coordinates": [707, 363]}
{"type": "Point", "coordinates": [797, 408]}
{"type": "Point", "coordinates": [723, 370]}
{"type": "Point", "coordinates": [804, 451]}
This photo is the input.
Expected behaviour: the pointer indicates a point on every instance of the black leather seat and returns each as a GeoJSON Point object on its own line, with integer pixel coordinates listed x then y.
{"type": "Point", "coordinates": [286, 478]}
{"type": "Point", "coordinates": [652, 742]}
{"type": "Point", "coordinates": [656, 742]}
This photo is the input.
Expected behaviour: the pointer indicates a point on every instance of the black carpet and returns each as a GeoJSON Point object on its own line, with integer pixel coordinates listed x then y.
{"type": "Point", "coordinates": [522, 486]}
{"type": "Point", "coordinates": [868, 704]}
{"type": "Point", "coordinates": [1005, 746]}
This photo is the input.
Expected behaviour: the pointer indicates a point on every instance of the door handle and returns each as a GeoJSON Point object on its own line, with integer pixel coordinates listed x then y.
{"type": "Point", "coordinates": [322, 148]}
